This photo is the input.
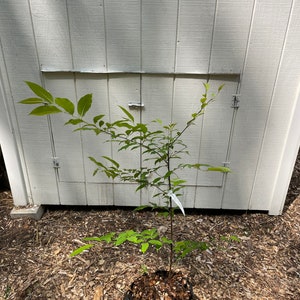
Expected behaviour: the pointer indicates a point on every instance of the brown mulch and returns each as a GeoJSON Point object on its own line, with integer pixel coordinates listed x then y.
{"type": "Point", "coordinates": [265, 264]}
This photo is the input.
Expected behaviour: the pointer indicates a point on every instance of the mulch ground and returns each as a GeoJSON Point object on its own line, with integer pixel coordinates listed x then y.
{"type": "Point", "coordinates": [265, 264]}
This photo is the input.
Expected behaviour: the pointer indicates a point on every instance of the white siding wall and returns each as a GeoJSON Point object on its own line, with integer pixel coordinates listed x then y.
{"type": "Point", "coordinates": [158, 53]}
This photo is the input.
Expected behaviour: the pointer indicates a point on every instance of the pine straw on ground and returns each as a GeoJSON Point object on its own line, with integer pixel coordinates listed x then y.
{"type": "Point", "coordinates": [35, 262]}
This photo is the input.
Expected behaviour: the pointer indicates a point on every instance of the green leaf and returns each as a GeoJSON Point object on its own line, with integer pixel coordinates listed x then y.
{"type": "Point", "coordinates": [221, 87]}
{"type": "Point", "coordinates": [112, 161]}
{"type": "Point", "coordinates": [234, 238]}
{"type": "Point", "coordinates": [81, 249]}
{"type": "Point", "coordinates": [157, 181]}
{"type": "Point", "coordinates": [84, 104]}
{"type": "Point", "coordinates": [127, 113]}
{"type": "Point", "coordinates": [40, 91]}
{"type": "Point", "coordinates": [177, 181]}
{"type": "Point", "coordinates": [168, 174]}
{"type": "Point", "coordinates": [99, 164]}
{"type": "Point", "coordinates": [123, 236]}
{"type": "Point", "coordinates": [142, 185]}
{"type": "Point", "coordinates": [158, 244]}
{"type": "Point", "coordinates": [206, 86]}
{"type": "Point", "coordinates": [106, 238]}
{"type": "Point", "coordinates": [66, 104]}
{"type": "Point", "coordinates": [120, 240]}
{"type": "Point", "coordinates": [141, 127]}
{"type": "Point", "coordinates": [122, 123]}
{"type": "Point", "coordinates": [32, 101]}
{"type": "Point", "coordinates": [150, 232]}
{"type": "Point", "coordinates": [134, 239]}
{"type": "Point", "coordinates": [166, 240]}
{"type": "Point", "coordinates": [74, 121]}
{"type": "Point", "coordinates": [219, 169]}
{"type": "Point", "coordinates": [97, 118]}
{"type": "Point", "coordinates": [45, 110]}
{"type": "Point", "coordinates": [185, 247]}
{"type": "Point", "coordinates": [164, 214]}
{"type": "Point", "coordinates": [142, 207]}
{"type": "Point", "coordinates": [203, 99]}
{"type": "Point", "coordinates": [144, 247]}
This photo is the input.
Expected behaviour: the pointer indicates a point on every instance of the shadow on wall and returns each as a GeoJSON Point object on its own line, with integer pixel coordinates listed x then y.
{"type": "Point", "coordinates": [4, 184]}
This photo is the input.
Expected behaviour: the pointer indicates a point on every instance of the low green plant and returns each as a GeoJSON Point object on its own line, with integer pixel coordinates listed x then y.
{"type": "Point", "coordinates": [7, 292]}
{"type": "Point", "coordinates": [163, 152]}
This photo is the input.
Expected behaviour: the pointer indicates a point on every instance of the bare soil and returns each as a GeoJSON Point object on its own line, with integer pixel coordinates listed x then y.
{"type": "Point", "coordinates": [265, 264]}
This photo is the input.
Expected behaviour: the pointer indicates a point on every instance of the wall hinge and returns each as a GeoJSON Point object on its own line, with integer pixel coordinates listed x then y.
{"type": "Point", "coordinates": [236, 101]}
{"type": "Point", "coordinates": [55, 162]}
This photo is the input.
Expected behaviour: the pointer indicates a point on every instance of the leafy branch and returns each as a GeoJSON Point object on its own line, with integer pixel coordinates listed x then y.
{"type": "Point", "coordinates": [159, 148]}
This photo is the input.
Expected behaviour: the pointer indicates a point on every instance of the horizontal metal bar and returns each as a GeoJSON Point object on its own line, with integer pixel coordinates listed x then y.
{"type": "Point", "coordinates": [135, 105]}
{"type": "Point", "coordinates": [83, 71]}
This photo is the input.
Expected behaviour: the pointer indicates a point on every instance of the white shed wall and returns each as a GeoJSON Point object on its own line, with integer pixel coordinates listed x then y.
{"type": "Point", "coordinates": [147, 51]}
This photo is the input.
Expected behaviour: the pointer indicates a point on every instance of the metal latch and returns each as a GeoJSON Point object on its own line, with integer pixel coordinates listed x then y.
{"type": "Point", "coordinates": [55, 162]}
{"type": "Point", "coordinates": [236, 101]}
{"type": "Point", "coordinates": [226, 164]}
{"type": "Point", "coordinates": [135, 105]}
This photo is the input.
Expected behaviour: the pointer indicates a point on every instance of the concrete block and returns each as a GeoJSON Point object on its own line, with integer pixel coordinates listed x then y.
{"type": "Point", "coordinates": [33, 212]}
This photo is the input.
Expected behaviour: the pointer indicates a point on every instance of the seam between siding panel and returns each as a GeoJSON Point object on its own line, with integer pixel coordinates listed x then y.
{"type": "Point", "coordinates": [69, 32]}
{"type": "Point", "coordinates": [105, 37]}
{"type": "Point", "coordinates": [141, 36]}
{"type": "Point", "coordinates": [175, 60]}
{"type": "Point", "coordinates": [248, 44]}
{"type": "Point", "coordinates": [76, 96]}
{"type": "Point", "coordinates": [176, 35]}
{"type": "Point", "coordinates": [50, 131]}
{"type": "Point", "coordinates": [212, 38]}
{"type": "Point", "coordinates": [141, 88]}
{"type": "Point", "coordinates": [231, 136]}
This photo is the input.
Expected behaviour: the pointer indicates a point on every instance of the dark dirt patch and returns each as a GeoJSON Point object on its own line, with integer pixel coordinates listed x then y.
{"type": "Point", "coordinates": [265, 264]}
{"type": "Point", "coordinates": [161, 284]}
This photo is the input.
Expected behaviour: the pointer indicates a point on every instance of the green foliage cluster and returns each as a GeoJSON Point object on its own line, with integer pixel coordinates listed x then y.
{"type": "Point", "coordinates": [145, 238]}
{"type": "Point", "coordinates": [163, 150]}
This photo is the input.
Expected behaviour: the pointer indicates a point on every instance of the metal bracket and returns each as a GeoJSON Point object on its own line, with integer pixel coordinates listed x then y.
{"type": "Point", "coordinates": [226, 163]}
{"type": "Point", "coordinates": [236, 101]}
{"type": "Point", "coordinates": [55, 162]}
{"type": "Point", "coordinates": [135, 105]}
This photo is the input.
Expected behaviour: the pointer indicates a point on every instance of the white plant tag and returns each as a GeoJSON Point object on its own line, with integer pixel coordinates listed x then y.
{"type": "Point", "coordinates": [176, 200]}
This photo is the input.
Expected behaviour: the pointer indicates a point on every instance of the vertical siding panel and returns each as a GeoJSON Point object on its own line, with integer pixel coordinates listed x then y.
{"type": "Point", "coordinates": [265, 45]}
{"type": "Point", "coordinates": [99, 187]}
{"type": "Point", "coordinates": [122, 90]}
{"type": "Point", "coordinates": [87, 33]}
{"type": "Point", "coordinates": [194, 35]}
{"type": "Point", "coordinates": [230, 35]}
{"type": "Point", "coordinates": [208, 197]}
{"type": "Point", "coordinates": [123, 35]}
{"type": "Point", "coordinates": [51, 30]}
{"type": "Point", "coordinates": [100, 194]}
{"type": "Point", "coordinates": [68, 147]}
{"type": "Point", "coordinates": [216, 130]}
{"type": "Point", "coordinates": [187, 92]}
{"type": "Point", "coordinates": [157, 92]}
{"type": "Point", "coordinates": [157, 96]}
{"type": "Point", "coordinates": [93, 145]}
{"type": "Point", "coordinates": [22, 64]}
{"type": "Point", "coordinates": [159, 23]}
{"type": "Point", "coordinates": [208, 139]}
{"type": "Point", "coordinates": [72, 193]}
{"type": "Point", "coordinates": [276, 140]}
